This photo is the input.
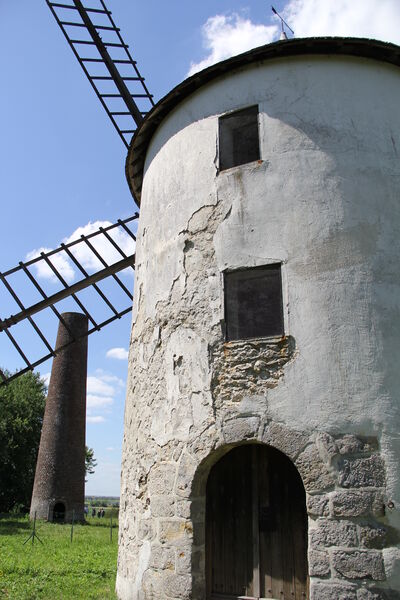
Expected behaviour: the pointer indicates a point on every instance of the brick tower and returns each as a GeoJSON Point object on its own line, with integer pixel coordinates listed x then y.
{"type": "Point", "coordinates": [59, 485]}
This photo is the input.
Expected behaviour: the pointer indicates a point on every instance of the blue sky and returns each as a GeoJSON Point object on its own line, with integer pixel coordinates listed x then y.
{"type": "Point", "coordinates": [62, 163]}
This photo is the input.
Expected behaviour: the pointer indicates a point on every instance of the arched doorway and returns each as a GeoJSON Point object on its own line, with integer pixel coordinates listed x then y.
{"type": "Point", "coordinates": [59, 512]}
{"type": "Point", "coordinates": [256, 527]}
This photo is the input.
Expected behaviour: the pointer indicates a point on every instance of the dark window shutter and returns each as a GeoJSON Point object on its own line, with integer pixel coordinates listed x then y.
{"type": "Point", "coordinates": [253, 303]}
{"type": "Point", "coordinates": [238, 138]}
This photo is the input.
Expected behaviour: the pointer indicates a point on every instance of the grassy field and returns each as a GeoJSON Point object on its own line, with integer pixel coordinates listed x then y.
{"type": "Point", "coordinates": [57, 570]}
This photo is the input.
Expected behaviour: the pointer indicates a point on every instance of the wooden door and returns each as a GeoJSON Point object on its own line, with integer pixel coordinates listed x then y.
{"type": "Point", "coordinates": [256, 527]}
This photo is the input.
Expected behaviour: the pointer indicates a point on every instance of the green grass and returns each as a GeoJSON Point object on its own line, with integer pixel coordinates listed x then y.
{"type": "Point", "coordinates": [57, 570]}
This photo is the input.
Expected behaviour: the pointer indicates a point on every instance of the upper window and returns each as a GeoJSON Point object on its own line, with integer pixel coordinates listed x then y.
{"type": "Point", "coordinates": [253, 303]}
{"type": "Point", "coordinates": [238, 138]}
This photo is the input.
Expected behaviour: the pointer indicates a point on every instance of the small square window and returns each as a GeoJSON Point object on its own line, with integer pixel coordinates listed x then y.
{"type": "Point", "coordinates": [238, 138]}
{"type": "Point", "coordinates": [253, 303]}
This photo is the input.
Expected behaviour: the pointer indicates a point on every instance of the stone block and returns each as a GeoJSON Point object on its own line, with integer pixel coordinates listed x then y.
{"type": "Point", "coordinates": [351, 444]}
{"type": "Point", "coordinates": [287, 440]}
{"type": "Point", "coordinates": [177, 586]}
{"type": "Point", "coordinates": [372, 536]}
{"type": "Point", "coordinates": [359, 564]}
{"type": "Point", "coordinates": [162, 558]}
{"type": "Point", "coordinates": [362, 472]}
{"type": "Point", "coordinates": [184, 561]}
{"type": "Point", "coordinates": [318, 563]}
{"type": "Point", "coordinates": [326, 446]}
{"type": "Point", "coordinates": [183, 508]}
{"type": "Point", "coordinates": [177, 532]}
{"type": "Point", "coordinates": [357, 504]}
{"type": "Point", "coordinates": [162, 506]}
{"type": "Point", "coordinates": [314, 473]}
{"type": "Point", "coordinates": [161, 479]}
{"type": "Point", "coordinates": [186, 471]}
{"type": "Point", "coordinates": [376, 594]}
{"type": "Point", "coordinates": [240, 428]}
{"type": "Point", "coordinates": [145, 530]}
{"type": "Point", "coordinates": [318, 506]}
{"type": "Point", "coordinates": [202, 445]}
{"type": "Point", "coordinates": [333, 533]}
{"type": "Point", "coordinates": [332, 591]}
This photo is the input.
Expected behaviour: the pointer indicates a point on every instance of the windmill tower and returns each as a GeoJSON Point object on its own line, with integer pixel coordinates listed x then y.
{"type": "Point", "coordinates": [260, 447]}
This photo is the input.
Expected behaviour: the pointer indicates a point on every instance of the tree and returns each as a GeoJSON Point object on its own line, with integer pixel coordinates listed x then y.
{"type": "Point", "coordinates": [90, 461]}
{"type": "Point", "coordinates": [22, 404]}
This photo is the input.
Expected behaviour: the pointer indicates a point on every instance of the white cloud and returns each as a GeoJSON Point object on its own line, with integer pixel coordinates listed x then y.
{"type": "Point", "coordinates": [98, 387]}
{"type": "Point", "coordinates": [104, 376]}
{"type": "Point", "coordinates": [60, 261]}
{"type": "Point", "coordinates": [46, 379]}
{"type": "Point", "coordinates": [105, 248]}
{"type": "Point", "coordinates": [118, 353]}
{"type": "Point", "coordinates": [227, 35]}
{"type": "Point", "coordinates": [93, 401]}
{"type": "Point", "coordinates": [377, 19]}
{"type": "Point", "coordinates": [97, 419]}
{"type": "Point", "coordinates": [84, 254]}
{"type": "Point", "coordinates": [110, 449]}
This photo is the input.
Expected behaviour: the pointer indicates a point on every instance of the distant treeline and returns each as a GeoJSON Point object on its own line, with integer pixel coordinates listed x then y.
{"type": "Point", "coordinates": [102, 501]}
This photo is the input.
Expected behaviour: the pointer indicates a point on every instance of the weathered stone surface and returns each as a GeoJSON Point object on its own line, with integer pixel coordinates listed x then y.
{"type": "Point", "coordinates": [318, 563]}
{"type": "Point", "coordinates": [246, 367]}
{"type": "Point", "coordinates": [333, 533]}
{"type": "Point", "coordinates": [177, 586]}
{"type": "Point", "coordinates": [183, 561]}
{"type": "Point", "coordinates": [240, 428]}
{"type": "Point", "coordinates": [357, 504]}
{"type": "Point", "coordinates": [326, 446]}
{"type": "Point", "coordinates": [314, 473]}
{"type": "Point", "coordinates": [372, 536]}
{"type": "Point", "coordinates": [359, 564]}
{"type": "Point", "coordinates": [351, 444]}
{"type": "Point", "coordinates": [375, 594]}
{"type": "Point", "coordinates": [332, 591]}
{"type": "Point", "coordinates": [318, 506]}
{"type": "Point", "coordinates": [145, 529]}
{"type": "Point", "coordinates": [289, 441]}
{"type": "Point", "coordinates": [161, 479]}
{"type": "Point", "coordinates": [152, 582]}
{"type": "Point", "coordinates": [163, 506]}
{"type": "Point", "coordinates": [162, 558]}
{"type": "Point", "coordinates": [174, 532]}
{"type": "Point", "coordinates": [362, 472]}
{"type": "Point", "coordinates": [165, 584]}
{"type": "Point", "coordinates": [183, 508]}
{"type": "Point", "coordinates": [186, 471]}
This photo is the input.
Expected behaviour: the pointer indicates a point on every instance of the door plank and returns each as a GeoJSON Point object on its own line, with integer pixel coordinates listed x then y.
{"type": "Point", "coordinates": [256, 527]}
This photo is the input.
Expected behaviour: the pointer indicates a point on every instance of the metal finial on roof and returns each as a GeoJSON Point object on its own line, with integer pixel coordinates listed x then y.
{"type": "Point", "coordinates": [283, 35]}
